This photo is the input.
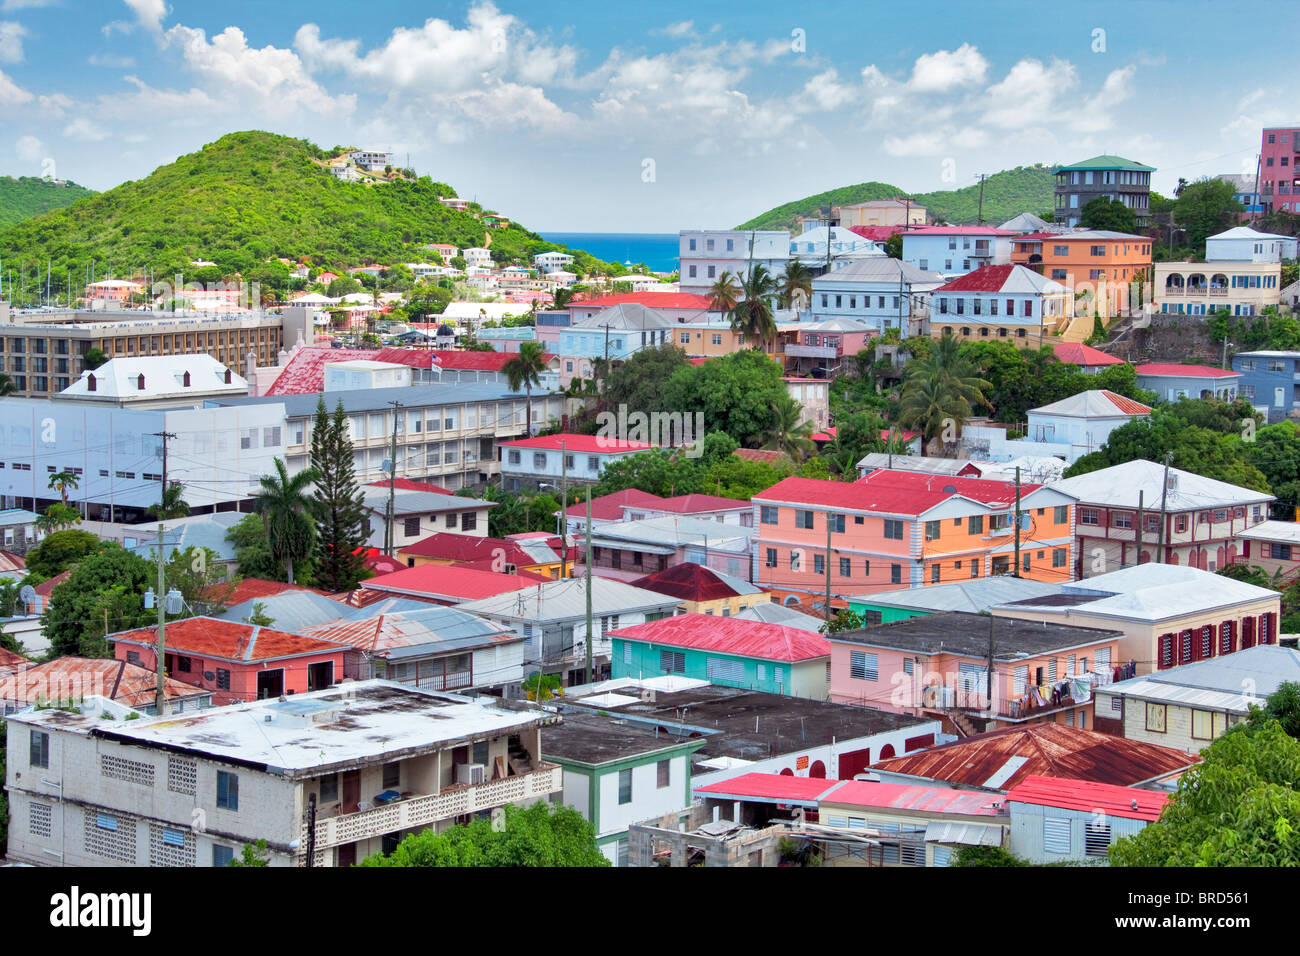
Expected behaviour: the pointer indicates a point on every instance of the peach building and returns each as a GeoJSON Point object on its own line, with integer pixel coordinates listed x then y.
{"type": "Point", "coordinates": [1099, 260]}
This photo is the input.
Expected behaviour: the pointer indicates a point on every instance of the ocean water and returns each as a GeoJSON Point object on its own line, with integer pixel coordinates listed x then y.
{"type": "Point", "coordinates": [657, 250]}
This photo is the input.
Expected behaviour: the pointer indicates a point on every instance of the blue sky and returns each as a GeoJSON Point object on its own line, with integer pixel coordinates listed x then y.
{"type": "Point", "coordinates": [640, 118]}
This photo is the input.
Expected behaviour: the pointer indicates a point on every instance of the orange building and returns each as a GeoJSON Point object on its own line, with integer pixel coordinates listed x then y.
{"type": "Point", "coordinates": [896, 529]}
{"type": "Point", "coordinates": [1096, 260]}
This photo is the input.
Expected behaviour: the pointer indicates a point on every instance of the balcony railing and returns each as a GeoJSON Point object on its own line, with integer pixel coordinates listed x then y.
{"type": "Point", "coordinates": [1214, 291]}
{"type": "Point", "coordinates": [812, 351]}
{"type": "Point", "coordinates": [425, 810]}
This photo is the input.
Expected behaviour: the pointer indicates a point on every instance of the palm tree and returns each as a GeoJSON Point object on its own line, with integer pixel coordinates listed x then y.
{"type": "Point", "coordinates": [561, 298]}
{"type": "Point", "coordinates": [171, 505]}
{"type": "Point", "coordinates": [724, 293]}
{"type": "Point", "coordinates": [284, 503]}
{"type": "Point", "coordinates": [524, 370]}
{"type": "Point", "coordinates": [788, 432]}
{"type": "Point", "coordinates": [940, 392]}
{"type": "Point", "coordinates": [753, 315]}
{"type": "Point", "coordinates": [797, 282]}
{"type": "Point", "coordinates": [7, 386]}
{"type": "Point", "coordinates": [63, 481]}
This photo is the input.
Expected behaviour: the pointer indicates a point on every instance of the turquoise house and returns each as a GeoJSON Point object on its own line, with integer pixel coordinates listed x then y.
{"type": "Point", "coordinates": [730, 651]}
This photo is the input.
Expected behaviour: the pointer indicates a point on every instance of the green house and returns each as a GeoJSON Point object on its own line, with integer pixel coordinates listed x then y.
{"type": "Point", "coordinates": [974, 597]}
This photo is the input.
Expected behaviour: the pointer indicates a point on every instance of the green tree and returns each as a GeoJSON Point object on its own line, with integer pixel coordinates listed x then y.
{"type": "Point", "coordinates": [258, 617]}
{"type": "Point", "coordinates": [985, 856]}
{"type": "Point", "coordinates": [253, 552]}
{"type": "Point", "coordinates": [427, 299]}
{"type": "Point", "coordinates": [1106, 213]}
{"type": "Point", "coordinates": [940, 392]}
{"type": "Point", "coordinates": [64, 481]}
{"type": "Point", "coordinates": [108, 583]}
{"type": "Point", "coordinates": [93, 359]}
{"type": "Point", "coordinates": [894, 246]}
{"type": "Point", "coordinates": [752, 316]}
{"type": "Point", "coordinates": [539, 836]}
{"type": "Point", "coordinates": [1283, 706]}
{"type": "Point", "coordinates": [796, 285]}
{"type": "Point", "coordinates": [198, 574]}
{"type": "Point", "coordinates": [253, 854]}
{"type": "Point", "coordinates": [172, 504]}
{"type": "Point", "coordinates": [57, 517]}
{"type": "Point", "coordinates": [285, 507]}
{"type": "Point", "coordinates": [60, 551]}
{"type": "Point", "coordinates": [525, 369]}
{"type": "Point", "coordinates": [338, 505]}
{"type": "Point", "coordinates": [735, 394]}
{"type": "Point", "coordinates": [641, 382]}
{"type": "Point", "coordinates": [343, 285]}
{"type": "Point", "coordinates": [1205, 207]}
{"type": "Point", "coordinates": [724, 293]}
{"type": "Point", "coordinates": [789, 433]}
{"type": "Point", "coordinates": [1238, 807]}
{"type": "Point", "coordinates": [843, 619]}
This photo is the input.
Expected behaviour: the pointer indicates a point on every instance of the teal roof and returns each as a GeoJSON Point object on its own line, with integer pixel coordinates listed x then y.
{"type": "Point", "coordinates": [1107, 162]}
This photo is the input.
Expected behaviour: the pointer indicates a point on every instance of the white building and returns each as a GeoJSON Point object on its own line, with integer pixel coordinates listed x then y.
{"type": "Point", "coordinates": [477, 256]}
{"type": "Point", "coordinates": [809, 247]}
{"type": "Point", "coordinates": [1002, 301]}
{"type": "Point", "coordinates": [365, 374]}
{"type": "Point", "coordinates": [371, 159]}
{"type": "Point", "coordinates": [552, 261]}
{"type": "Point", "coordinates": [882, 292]}
{"type": "Point", "coordinates": [1243, 244]}
{"type": "Point", "coordinates": [1068, 429]}
{"type": "Point", "coordinates": [374, 760]}
{"type": "Point", "coordinates": [705, 254]}
{"type": "Point", "coordinates": [577, 458]}
{"type": "Point", "coordinates": [153, 381]}
{"type": "Point", "coordinates": [956, 250]}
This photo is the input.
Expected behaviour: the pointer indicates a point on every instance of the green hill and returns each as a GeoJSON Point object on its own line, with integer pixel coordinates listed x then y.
{"type": "Point", "coordinates": [246, 199]}
{"type": "Point", "coordinates": [29, 196]}
{"type": "Point", "coordinates": [1006, 194]}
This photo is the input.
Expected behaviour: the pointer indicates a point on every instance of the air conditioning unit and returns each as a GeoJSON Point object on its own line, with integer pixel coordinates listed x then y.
{"type": "Point", "coordinates": [471, 773]}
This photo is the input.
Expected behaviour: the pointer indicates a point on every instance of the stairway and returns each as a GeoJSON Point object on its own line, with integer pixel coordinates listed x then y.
{"type": "Point", "coordinates": [520, 760]}
{"type": "Point", "coordinates": [966, 726]}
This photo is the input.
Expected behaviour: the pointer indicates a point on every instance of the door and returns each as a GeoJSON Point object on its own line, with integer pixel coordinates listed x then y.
{"type": "Point", "coordinates": [347, 854]}
{"type": "Point", "coordinates": [320, 676]}
{"type": "Point", "coordinates": [270, 684]}
{"type": "Point", "coordinates": [351, 791]}
{"type": "Point", "coordinates": [1279, 397]}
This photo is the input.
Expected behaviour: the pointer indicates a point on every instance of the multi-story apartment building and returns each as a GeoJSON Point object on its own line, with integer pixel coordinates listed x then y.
{"type": "Point", "coordinates": [705, 254]}
{"type": "Point", "coordinates": [1202, 517]}
{"type": "Point", "coordinates": [1204, 288]}
{"type": "Point", "coordinates": [895, 529]}
{"type": "Point", "coordinates": [1279, 162]}
{"type": "Point", "coordinates": [1007, 301]}
{"type": "Point", "coordinates": [881, 292]}
{"type": "Point", "coordinates": [526, 462]}
{"type": "Point", "coordinates": [339, 774]}
{"type": "Point", "coordinates": [822, 248]}
{"type": "Point", "coordinates": [444, 432]}
{"type": "Point", "coordinates": [880, 212]}
{"type": "Point", "coordinates": [1116, 178]}
{"type": "Point", "coordinates": [1270, 381]}
{"type": "Point", "coordinates": [955, 250]}
{"type": "Point", "coordinates": [43, 351]}
{"type": "Point", "coordinates": [1102, 262]}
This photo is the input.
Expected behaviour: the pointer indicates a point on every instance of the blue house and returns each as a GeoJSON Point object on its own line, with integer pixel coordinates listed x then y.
{"type": "Point", "coordinates": [1270, 381]}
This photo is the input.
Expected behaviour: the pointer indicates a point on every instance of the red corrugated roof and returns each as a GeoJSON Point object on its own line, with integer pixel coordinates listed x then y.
{"type": "Point", "coordinates": [875, 233]}
{"type": "Point", "coordinates": [410, 484]}
{"type": "Point", "coordinates": [1076, 353]}
{"type": "Point", "coordinates": [729, 635]}
{"type": "Point", "coordinates": [651, 300]}
{"type": "Point", "coordinates": [1185, 371]}
{"type": "Point", "coordinates": [582, 444]}
{"type": "Point", "coordinates": [772, 786]}
{"type": "Point", "coordinates": [304, 373]}
{"type": "Point", "coordinates": [450, 583]}
{"type": "Point", "coordinates": [759, 454]}
{"type": "Point", "coordinates": [46, 588]}
{"type": "Point", "coordinates": [1090, 797]}
{"type": "Point", "coordinates": [1126, 404]}
{"type": "Point", "coordinates": [249, 589]}
{"type": "Point", "coordinates": [958, 231]}
{"type": "Point", "coordinates": [10, 660]}
{"type": "Point", "coordinates": [983, 279]}
{"type": "Point", "coordinates": [229, 640]}
{"type": "Point", "coordinates": [610, 507]}
{"type": "Point", "coordinates": [902, 796]}
{"type": "Point", "coordinates": [448, 546]}
{"type": "Point", "coordinates": [888, 491]}
{"type": "Point", "coordinates": [1055, 750]}
{"type": "Point", "coordinates": [687, 582]}
{"type": "Point", "coordinates": [701, 504]}
{"type": "Point", "coordinates": [121, 681]}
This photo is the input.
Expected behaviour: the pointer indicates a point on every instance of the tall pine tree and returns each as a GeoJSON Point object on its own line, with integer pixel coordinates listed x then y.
{"type": "Point", "coordinates": [341, 522]}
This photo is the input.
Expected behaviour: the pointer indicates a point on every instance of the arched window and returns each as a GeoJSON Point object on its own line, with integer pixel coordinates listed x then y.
{"type": "Point", "coordinates": [227, 376]}
{"type": "Point", "coordinates": [185, 380]}
{"type": "Point", "coordinates": [886, 751]}
{"type": "Point", "coordinates": [139, 382]}
{"type": "Point", "coordinates": [91, 384]}
{"type": "Point", "coordinates": [818, 769]}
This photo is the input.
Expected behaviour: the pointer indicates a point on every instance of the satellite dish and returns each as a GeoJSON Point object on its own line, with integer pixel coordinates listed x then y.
{"type": "Point", "coordinates": [27, 594]}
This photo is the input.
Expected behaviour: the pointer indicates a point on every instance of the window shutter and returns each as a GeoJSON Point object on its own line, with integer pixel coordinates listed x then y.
{"type": "Point", "coordinates": [721, 669]}
{"type": "Point", "coordinates": [1056, 835]}
{"type": "Point", "coordinates": [1103, 659]}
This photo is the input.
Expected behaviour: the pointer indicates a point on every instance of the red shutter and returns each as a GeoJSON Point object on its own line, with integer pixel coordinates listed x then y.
{"type": "Point", "coordinates": [1207, 641]}
{"type": "Point", "coordinates": [854, 762]}
{"type": "Point", "coordinates": [1166, 657]}
{"type": "Point", "coordinates": [1247, 632]}
{"type": "Point", "coordinates": [1226, 635]}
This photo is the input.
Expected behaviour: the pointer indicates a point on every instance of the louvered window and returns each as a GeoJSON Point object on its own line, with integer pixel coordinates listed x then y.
{"type": "Point", "coordinates": [721, 670]}
{"type": "Point", "coordinates": [864, 666]}
{"type": "Point", "coordinates": [1096, 839]}
{"type": "Point", "coordinates": [672, 662]}
{"type": "Point", "coordinates": [1056, 835]}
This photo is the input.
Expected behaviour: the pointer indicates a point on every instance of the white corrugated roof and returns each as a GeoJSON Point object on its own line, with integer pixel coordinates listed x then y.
{"type": "Point", "coordinates": [1287, 531]}
{"type": "Point", "coordinates": [567, 600]}
{"type": "Point", "coordinates": [164, 377]}
{"type": "Point", "coordinates": [1119, 485]}
{"type": "Point", "coordinates": [1231, 682]}
{"type": "Point", "coordinates": [1094, 403]}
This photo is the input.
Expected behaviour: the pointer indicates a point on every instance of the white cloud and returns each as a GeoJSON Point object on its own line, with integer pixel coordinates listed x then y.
{"type": "Point", "coordinates": [111, 60]}
{"type": "Point", "coordinates": [29, 149]}
{"type": "Point", "coordinates": [55, 104]}
{"type": "Point", "coordinates": [9, 5]}
{"type": "Point", "coordinates": [85, 130]}
{"type": "Point", "coordinates": [1097, 113]}
{"type": "Point", "coordinates": [827, 92]}
{"type": "Point", "coordinates": [677, 30]}
{"type": "Point", "coordinates": [149, 13]}
{"type": "Point", "coordinates": [11, 41]}
{"type": "Point", "coordinates": [11, 94]}
{"type": "Point", "coordinates": [945, 69]}
{"type": "Point", "coordinates": [928, 143]}
{"type": "Point", "coordinates": [1028, 95]}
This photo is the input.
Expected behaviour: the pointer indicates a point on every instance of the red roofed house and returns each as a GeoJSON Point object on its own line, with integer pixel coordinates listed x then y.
{"type": "Point", "coordinates": [679, 307]}
{"type": "Point", "coordinates": [1090, 360]}
{"type": "Point", "coordinates": [446, 549]}
{"type": "Point", "coordinates": [1007, 302]}
{"type": "Point", "coordinates": [619, 506]}
{"type": "Point", "coordinates": [735, 653]}
{"type": "Point", "coordinates": [632, 504]}
{"type": "Point", "coordinates": [236, 662]}
{"type": "Point", "coordinates": [896, 529]}
{"type": "Point", "coordinates": [530, 462]}
{"type": "Point", "coordinates": [703, 590]}
{"type": "Point", "coordinates": [1172, 381]}
{"type": "Point", "coordinates": [439, 584]}
{"type": "Point", "coordinates": [1055, 820]}
{"type": "Point", "coordinates": [77, 677]}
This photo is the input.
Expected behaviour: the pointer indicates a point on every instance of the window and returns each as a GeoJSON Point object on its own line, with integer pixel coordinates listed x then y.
{"type": "Point", "coordinates": [227, 790]}
{"type": "Point", "coordinates": [894, 529]}
{"type": "Point", "coordinates": [411, 527]}
{"type": "Point", "coordinates": [837, 523]}
{"type": "Point", "coordinates": [1089, 516]}
{"type": "Point", "coordinates": [468, 521]}
{"type": "Point", "coordinates": [1096, 839]}
{"type": "Point", "coordinates": [975, 524]}
{"type": "Point", "coordinates": [846, 567]}
{"type": "Point", "coordinates": [767, 514]}
{"type": "Point", "coordinates": [39, 754]}
{"type": "Point", "coordinates": [1058, 557]}
{"type": "Point", "coordinates": [866, 568]}
{"type": "Point", "coordinates": [1061, 514]}
{"type": "Point", "coordinates": [931, 530]}
{"type": "Point", "coordinates": [672, 662]}
{"type": "Point", "coordinates": [771, 558]}
{"type": "Point", "coordinates": [223, 679]}
{"type": "Point", "coordinates": [1156, 718]}
{"type": "Point", "coordinates": [329, 788]}
{"type": "Point", "coordinates": [1121, 519]}
{"type": "Point", "coordinates": [664, 773]}
{"type": "Point", "coordinates": [222, 855]}
{"type": "Point", "coordinates": [451, 519]}
{"type": "Point", "coordinates": [796, 560]}
{"type": "Point", "coordinates": [934, 573]}
{"type": "Point", "coordinates": [1056, 835]}
{"type": "Point", "coordinates": [803, 519]}
{"type": "Point", "coordinates": [819, 564]}
{"type": "Point", "coordinates": [393, 771]}
{"type": "Point", "coordinates": [625, 786]}
{"type": "Point", "coordinates": [895, 574]}
{"type": "Point", "coordinates": [864, 666]}
{"type": "Point", "coordinates": [1202, 725]}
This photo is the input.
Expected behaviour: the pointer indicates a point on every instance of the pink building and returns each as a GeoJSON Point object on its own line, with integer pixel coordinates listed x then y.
{"type": "Point", "coordinates": [937, 665]}
{"type": "Point", "coordinates": [1279, 178]}
{"type": "Point", "coordinates": [674, 306]}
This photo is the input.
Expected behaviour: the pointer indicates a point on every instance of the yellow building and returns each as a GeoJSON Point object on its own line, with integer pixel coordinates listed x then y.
{"type": "Point", "coordinates": [1204, 288]}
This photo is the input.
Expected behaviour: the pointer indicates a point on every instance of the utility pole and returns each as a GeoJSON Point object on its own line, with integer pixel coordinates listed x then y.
{"type": "Point", "coordinates": [160, 699]}
{"type": "Point", "coordinates": [981, 212]}
{"type": "Point", "coordinates": [1137, 535]}
{"type": "Point", "coordinates": [1164, 512]}
{"type": "Point", "coordinates": [1016, 571]}
{"type": "Point", "coordinates": [389, 533]}
{"type": "Point", "coordinates": [587, 565]}
{"type": "Point", "coordinates": [564, 507]}
{"type": "Point", "coordinates": [988, 675]}
{"type": "Point", "coordinates": [829, 523]}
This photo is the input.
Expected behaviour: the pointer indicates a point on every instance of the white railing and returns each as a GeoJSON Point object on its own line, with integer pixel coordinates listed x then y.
{"type": "Point", "coordinates": [421, 811]}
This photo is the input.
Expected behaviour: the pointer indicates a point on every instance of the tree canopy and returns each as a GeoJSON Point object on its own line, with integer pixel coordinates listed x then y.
{"type": "Point", "coordinates": [1106, 213]}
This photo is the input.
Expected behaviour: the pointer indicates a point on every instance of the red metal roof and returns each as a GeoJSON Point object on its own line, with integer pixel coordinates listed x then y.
{"type": "Point", "coordinates": [450, 583]}
{"type": "Point", "coordinates": [121, 681]}
{"type": "Point", "coordinates": [687, 582]}
{"type": "Point", "coordinates": [1076, 353]}
{"type": "Point", "coordinates": [772, 786]}
{"type": "Point", "coordinates": [582, 444]}
{"type": "Point", "coordinates": [46, 588]}
{"type": "Point", "coordinates": [249, 589]}
{"type": "Point", "coordinates": [903, 796]}
{"type": "Point", "coordinates": [304, 373]}
{"type": "Point", "coordinates": [410, 484]}
{"type": "Point", "coordinates": [610, 507]}
{"type": "Point", "coordinates": [12, 562]}
{"type": "Point", "coordinates": [701, 504]}
{"type": "Point", "coordinates": [958, 231]}
{"type": "Point", "coordinates": [887, 491]}
{"type": "Point", "coordinates": [1055, 750]}
{"type": "Point", "coordinates": [729, 635]}
{"type": "Point", "coordinates": [10, 660]}
{"type": "Point", "coordinates": [448, 546]}
{"type": "Point", "coordinates": [651, 300]}
{"type": "Point", "coordinates": [228, 640]}
{"type": "Point", "coordinates": [1126, 404]}
{"type": "Point", "coordinates": [1090, 797]}
{"type": "Point", "coordinates": [448, 359]}
{"type": "Point", "coordinates": [876, 233]}
{"type": "Point", "coordinates": [758, 454]}
{"type": "Point", "coordinates": [1185, 371]}
{"type": "Point", "coordinates": [983, 279]}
